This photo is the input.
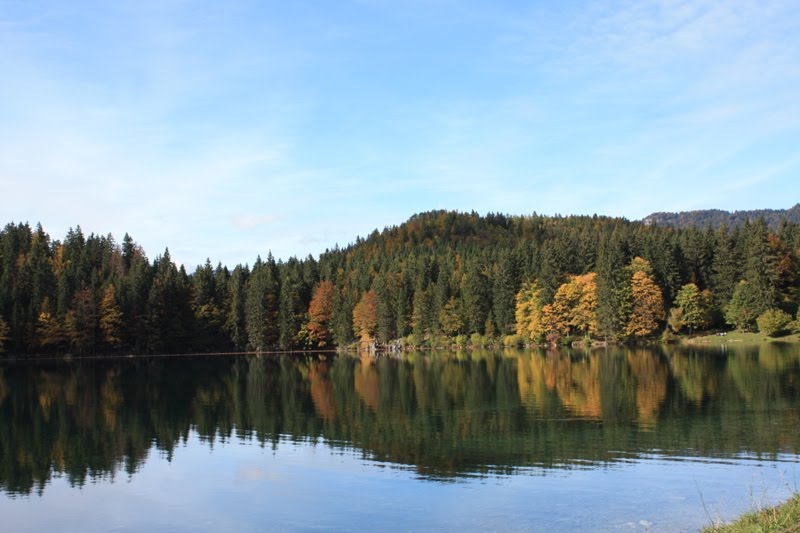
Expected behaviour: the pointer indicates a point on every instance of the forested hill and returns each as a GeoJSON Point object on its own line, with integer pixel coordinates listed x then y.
{"type": "Point", "coordinates": [716, 218]}
{"type": "Point", "coordinates": [440, 278]}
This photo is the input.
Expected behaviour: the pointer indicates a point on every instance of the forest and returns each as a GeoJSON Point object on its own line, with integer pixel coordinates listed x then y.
{"type": "Point", "coordinates": [440, 279]}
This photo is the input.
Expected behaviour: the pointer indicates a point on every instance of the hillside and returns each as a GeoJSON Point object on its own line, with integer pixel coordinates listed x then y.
{"type": "Point", "coordinates": [441, 273]}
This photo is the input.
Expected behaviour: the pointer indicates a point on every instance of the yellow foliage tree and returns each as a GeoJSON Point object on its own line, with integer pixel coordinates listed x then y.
{"type": "Point", "coordinates": [647, 305]}
{"type": "Point", "coordinates": [528, 311]}
{"type": "Point", "coordinates": [110, 319]}
{"type": "Point", "coordinates": [49, 329]}
{"type": "Point", "coordinates": [574, 307]}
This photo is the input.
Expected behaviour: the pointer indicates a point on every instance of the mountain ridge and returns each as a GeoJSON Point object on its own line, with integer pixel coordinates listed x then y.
{"type": "Point", "coordinates": [717, 217]}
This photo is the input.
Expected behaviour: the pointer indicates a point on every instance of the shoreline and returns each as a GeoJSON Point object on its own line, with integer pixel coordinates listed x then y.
{"type": "Point", "coordinates": [783, 517]}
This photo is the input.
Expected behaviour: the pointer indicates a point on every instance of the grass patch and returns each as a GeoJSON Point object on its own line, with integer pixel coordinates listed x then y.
{"type": "Point", "coordinates": [741, 337]}
{"type": "Point", "coordinates": [783, 518]}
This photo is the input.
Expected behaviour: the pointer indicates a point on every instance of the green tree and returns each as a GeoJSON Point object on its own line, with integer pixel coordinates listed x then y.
{"type": "Point", "coordinates": [261, 306]}
{"type": "Point", "coordinates": [761, 266]}
{"type": "Point", "coordinates": [235, 320]}
{"type": "Point", "coordinates": [475, 297]}
{"type": "Point", "coordinates": [692, 309]}
{"type": "Point", "coordinates": [741, 312]}
{"type": "Point", "coordinates": [612, 286]}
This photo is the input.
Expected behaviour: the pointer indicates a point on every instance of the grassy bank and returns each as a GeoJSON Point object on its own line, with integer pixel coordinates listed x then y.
{"type": "Point", "coordinates": [740, 337]}
{"type": "Point", "coordinates": [783, 518]}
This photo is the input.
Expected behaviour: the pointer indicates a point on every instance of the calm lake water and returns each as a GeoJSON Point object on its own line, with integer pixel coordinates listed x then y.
{"type": "Point", "coordinates": [619, 440]}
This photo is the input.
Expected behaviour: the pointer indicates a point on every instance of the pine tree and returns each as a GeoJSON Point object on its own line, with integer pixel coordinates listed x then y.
{"type": "Point", "coordinates": [505, 284]}
{"type": "Point", "coordinates": [741, 311]}
{"type": "Point", "coordinates": [261, 308]}
{"type": "Point", "coordinates": [235, 322]}
{"type": "Point", "coordinates": [475, 298]}
{"type": "Point", "coordinates": [612, 287]}
{"type": "Point", "coordinates": [760, 266]}
{"type": "Point", "coordinates": [725, 267]}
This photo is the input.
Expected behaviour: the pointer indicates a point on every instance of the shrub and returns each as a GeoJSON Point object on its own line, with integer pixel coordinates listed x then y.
{"type": "Point", "coordinates": [413, 341]}
{"type": "Point", "coordinates": [513, 341]}
{"type": "Point", "coordinates": [439, 341]}
{"type": "Point", "coordinates": [461, 341]}
{"type": "Point", "coordinates": [773, 322]}
{"type": "Point", "coordinates": [476, 340]}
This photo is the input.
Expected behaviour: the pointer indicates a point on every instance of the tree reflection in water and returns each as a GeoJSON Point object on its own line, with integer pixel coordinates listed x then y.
{"type": "Point", "coordinates": [444, 414]}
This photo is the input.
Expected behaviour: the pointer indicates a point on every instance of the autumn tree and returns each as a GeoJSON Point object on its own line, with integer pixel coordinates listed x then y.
{"type": "Point", "coordinates": [574, 307]}
{"type": "Point", "coordinates": [320, 311]}
{"type": "Point", "coordinates": [528, 311]}
{"type": "Point", "coordinates": [450, 317]}
{"type": "Point", "coordinates": [110, 319]}
{"type": "Point", "coordinates": [49, 329]}
{"type": "Point", "coordinates": [365, 316]}
{"type": "Point", "coordinates": [647, 302]}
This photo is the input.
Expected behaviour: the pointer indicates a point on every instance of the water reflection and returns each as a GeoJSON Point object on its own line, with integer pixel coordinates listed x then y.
{"type": "Point", "coordinates": [444, 414]}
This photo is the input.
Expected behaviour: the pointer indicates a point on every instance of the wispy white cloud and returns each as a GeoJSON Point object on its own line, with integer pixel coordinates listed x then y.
{"type": "Point", "coordinates": [226, 131]}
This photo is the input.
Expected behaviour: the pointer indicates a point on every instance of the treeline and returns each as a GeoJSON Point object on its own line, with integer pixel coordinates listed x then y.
{"type": "Point", "coordinates": [441, 277]}
{"type": "Point", "coordinates": [717, 218]}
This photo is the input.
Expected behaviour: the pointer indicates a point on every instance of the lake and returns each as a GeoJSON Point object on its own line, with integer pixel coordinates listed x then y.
{"type": "Point", "coordinates": [655, 439]}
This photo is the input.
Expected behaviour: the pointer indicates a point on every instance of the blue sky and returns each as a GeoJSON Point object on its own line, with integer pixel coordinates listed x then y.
{"type": "Point", "coordinates": [226, 129]}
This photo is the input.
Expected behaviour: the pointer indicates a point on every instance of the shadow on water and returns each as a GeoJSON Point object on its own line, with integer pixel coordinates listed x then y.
{"type": "Point", "coordinates": [443, 414]}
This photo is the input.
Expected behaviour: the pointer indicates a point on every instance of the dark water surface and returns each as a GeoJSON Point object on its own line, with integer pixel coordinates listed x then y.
{"type": "Point", "coordinates": [620, 440]}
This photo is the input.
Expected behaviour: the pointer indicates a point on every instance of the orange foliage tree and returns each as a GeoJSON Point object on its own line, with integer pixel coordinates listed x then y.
{"type": "Point", "coordinates": [365, 316]}
{"type": "Point", "coordinates": [320, 311]}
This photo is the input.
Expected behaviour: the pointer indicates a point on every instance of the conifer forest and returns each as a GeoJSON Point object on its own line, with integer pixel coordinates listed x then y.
{"type": "Point", "coordinates": [440, 279]}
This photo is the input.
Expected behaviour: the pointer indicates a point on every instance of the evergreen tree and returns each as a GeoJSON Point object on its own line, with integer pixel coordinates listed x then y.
{"type": "Point", "coordinates": [261, 307]}
{"type": "Point", "coordinates": [475, 298]}
{"type": "Point", "coordinates": [235, 322]}
{"type": "Point", "coordinates": [725, 272]}
{"type": "Point", "coordinates": [760, 266]}
{"type": "Point", "coordinates": [505, 284]}
{"type": "Point", "coordinates": [612, 287]}
{"type": "Point", "coordinates": [741, 311]}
